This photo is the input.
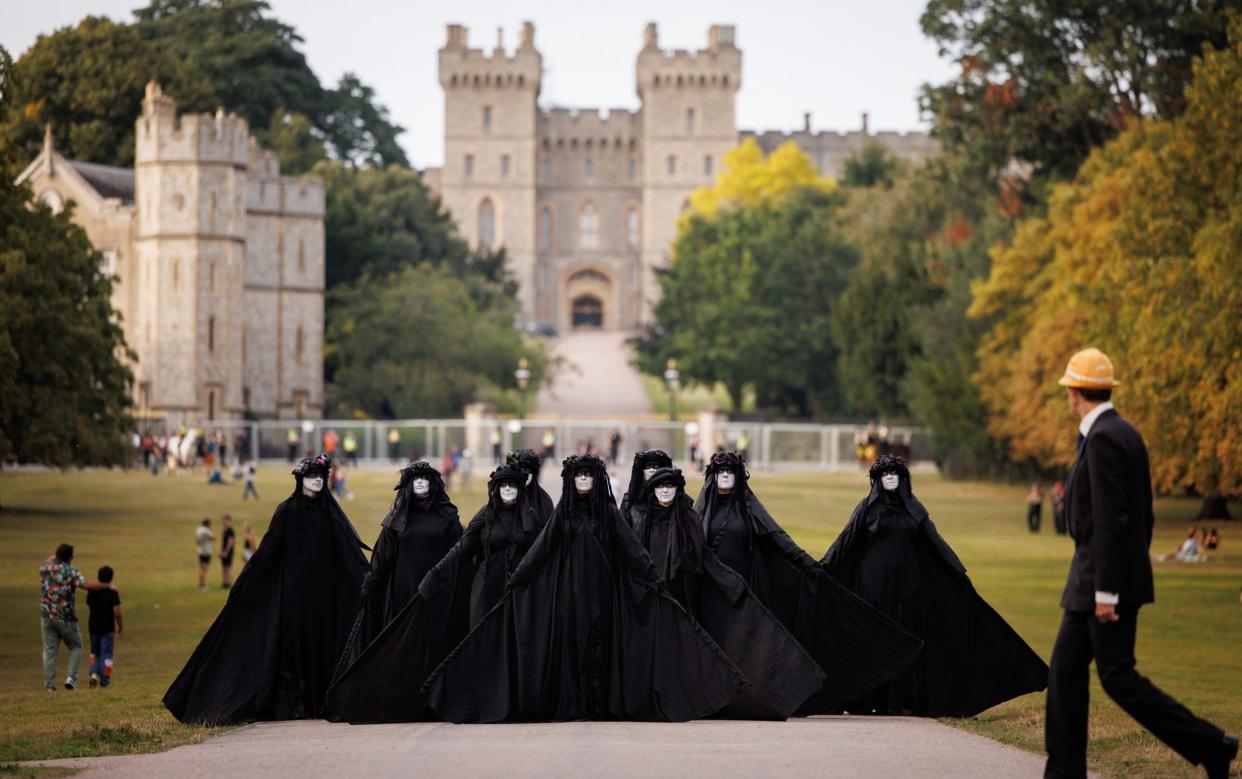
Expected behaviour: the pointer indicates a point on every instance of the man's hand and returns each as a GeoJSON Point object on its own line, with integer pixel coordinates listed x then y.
{"type": "Point", "coordinates": [1106, 612]}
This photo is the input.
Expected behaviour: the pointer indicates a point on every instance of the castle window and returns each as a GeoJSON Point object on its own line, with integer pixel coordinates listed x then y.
{"type": "Point", "coordinates": [211, 404]}
{"type": "Point", "coordinates": [588, 144]}
{"type": "Point", "coordinates": [632, 169]}
{"type": "Point", "coordinates": [680, 81]}
{"type": "Point", "coordinates": [689, 120]}
{"type": "Point", "coordinates": [178, 202]}
{"type": "Point", "coordinates": [631, 228]}
{"type": "Point", "coordinates": [672, 164]}
{"type": "Point", "coordinates": [707, 165]}
{"type": "Point", "coordinates": [176, 275]}
{"type": "Point", "coordinates": [211, 334]}
{"type": "Point", "coordinates": [588, 227]}
{"type": "Point", "coordinates": [521, 80]}
{"type": "Point", "coordinates": [299, 345]}
{"type": "Point", "coordinates": [724, 80]}
{"type": "Point", "coordinates": [574, 144]}
{"type": "Point", "coordinates": [504, 165]}
{"type": "Point", "coordinates": [107, 266]}
{"type": "Point", "coordinates": [590, 168]}
{"type": "Point", "coordinates": [453, 80]}
{"type": "Point", "coordinates": [301, 257]}
{"type": "Point", "coordinates": [545, 168]}
{"type": "Point", "coordinates": [211, 218]}
{"type": "Point", "coordinates": [469, 165]}
{"type": "Point", "coordinates": [547, 145]}
{"type": "Point", "coordinates": [487, 117]}
{"type": "Point", "coordinates": [545, 228]}
{"type": "Point", "coordinates": [211, 276]}
{"type": "Point", "coordinates": [487, 224]}
{"type": "Point", "coordinates": [633, 144]}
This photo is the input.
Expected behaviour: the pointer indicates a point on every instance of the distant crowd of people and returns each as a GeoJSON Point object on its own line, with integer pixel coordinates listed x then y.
{"type": "Point", "coordinates": [1195, 547]}
{"type": "Point", "coordinates": [876, 440]}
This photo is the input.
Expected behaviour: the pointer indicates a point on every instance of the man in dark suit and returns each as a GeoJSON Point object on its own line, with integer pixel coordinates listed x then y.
{"type": "Point", "coordinates": [1109, 512]}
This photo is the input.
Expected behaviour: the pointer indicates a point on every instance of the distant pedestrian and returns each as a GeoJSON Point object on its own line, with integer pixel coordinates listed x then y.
{"type": "Point", "coordinates": [549, 445]}
{"type": "Point", "coordinates": [1058, 507]}
{"type": "Point", "coordinates": [249, 488]}
{"type": "Point", "coordinates": [1034, 508]}
{"type": "Point", "coordinates": [203, 538]}
{"type": "Point", "coordinates": [394, 444]}
{"type": "Point", "coordinates": [447, 466]}
{"type": "Point", "coordinates": [350, 447]}
{"type": "Point", "coordinates": [228, 542]}
{"type": "Point", "coordinates": [105, 626]}
{"type": "Point", "coordinates": [614, 446]}
{"type": "Point", "coordinates": [58, 580]}
{"type": "Point", "coordinates": [331, 439]}
{"type": "Point", "coordinates": [293, 437]}
{"type": "Point", "coordinates": [248, 542]}
{"type": "Point", "coordinates": [494, 439]}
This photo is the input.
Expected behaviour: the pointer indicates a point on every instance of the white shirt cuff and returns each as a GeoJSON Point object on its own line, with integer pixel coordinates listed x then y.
{"type": "Point", "coordinates": [1107, 598]}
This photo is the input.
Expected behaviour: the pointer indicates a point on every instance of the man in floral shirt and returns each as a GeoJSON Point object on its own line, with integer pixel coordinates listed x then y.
{"type": "Point", "coordinates": [60, 620]}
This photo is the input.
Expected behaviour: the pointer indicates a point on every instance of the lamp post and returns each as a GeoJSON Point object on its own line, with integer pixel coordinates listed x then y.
{"type": "Point", "coordinates": [672, 377]}
{"type": "Point", "coordinates": [522, 374]}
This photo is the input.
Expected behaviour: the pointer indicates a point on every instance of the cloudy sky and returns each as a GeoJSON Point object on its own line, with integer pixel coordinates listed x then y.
{"type": "Point", "coordinates": [833, 58]}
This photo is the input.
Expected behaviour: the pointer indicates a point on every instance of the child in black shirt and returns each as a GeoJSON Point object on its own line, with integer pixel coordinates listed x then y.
{"type": "Point", "coordinates": [105, 625]}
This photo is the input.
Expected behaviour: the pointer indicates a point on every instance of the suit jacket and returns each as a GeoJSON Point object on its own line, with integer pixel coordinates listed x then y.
{"type": "Point", "coordinates": [1108, 505]}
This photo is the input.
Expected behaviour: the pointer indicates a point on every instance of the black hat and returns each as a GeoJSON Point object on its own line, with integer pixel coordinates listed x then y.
{"type": "Point", "coordinates": [319, 465]}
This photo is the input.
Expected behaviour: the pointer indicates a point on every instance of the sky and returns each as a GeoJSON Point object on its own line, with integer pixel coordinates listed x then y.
{"type": "Point", "coordinates": [833, 58]}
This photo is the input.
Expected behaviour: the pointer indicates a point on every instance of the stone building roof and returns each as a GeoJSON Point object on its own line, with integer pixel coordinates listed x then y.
{"type": "Point", "coordinates": [107, 180]}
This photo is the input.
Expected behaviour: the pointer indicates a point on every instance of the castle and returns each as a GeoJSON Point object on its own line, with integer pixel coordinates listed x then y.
{"type": "Point", "coordinates": [218, 263]}
{"type": "Point", "coordinates": [586, 203]}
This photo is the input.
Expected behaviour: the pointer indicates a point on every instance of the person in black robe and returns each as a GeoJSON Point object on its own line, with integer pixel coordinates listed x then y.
{"type": "Point", "coordinates": [271, 652]}
{"type": "Point", "coordinates": [856, 646]}
{"type": "Point", "coordinates": [645, 464]}
{"type": "Point", "coordinates": [782, 675]}
{"type": "Point", "coordinates": [417, 532]}
{"type": "Point", "coordinates": [891, 555]}
{"type": "Point", "coordinates": [540, 501]}
{"type": "Point", "coordinates": [586, 630]}
{"type": "Point", "coordinates": [384, 684]}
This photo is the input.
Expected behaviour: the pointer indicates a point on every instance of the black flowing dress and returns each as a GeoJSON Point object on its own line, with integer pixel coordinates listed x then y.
{"type": "Point", "coordinates": [891, 554]}
{"type": "Point", "coordinates": [585, 631]}
{"type": "Point", "coordinates": [413, 537]}
{"type": "Point", "coordinates": [385, 683]}
{"type": "Point", "coordinates": [271, 652]}
{"type": "Point", "coordinates": [782, 675]}
{"type": "Point", "coordinates": [857, 647]}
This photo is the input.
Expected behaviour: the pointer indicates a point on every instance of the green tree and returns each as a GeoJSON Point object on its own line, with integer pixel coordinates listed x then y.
{"type": "Point", "coordinates": [86, 82]}
{"type": "Point", "coordinates": [1043, 83]}
{"type": "Point", "coordinates": [747, 299]}
{"type": "Point", "coordinates": [1141, 256]}
{"type": "Point", "coordinates": [64, 392]}
{"type": "Point", "coordinates": [424, 342]}
{"type": "Point", "coordinates": [359, 129]}
{"type": "Point", "coordinates": [381, 220]}
{"type": "Point", "coordinates": [872, 165]}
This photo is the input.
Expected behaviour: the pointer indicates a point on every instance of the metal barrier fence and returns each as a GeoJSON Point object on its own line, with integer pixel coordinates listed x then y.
{"type": "Point", "coordinates": [768, 446]}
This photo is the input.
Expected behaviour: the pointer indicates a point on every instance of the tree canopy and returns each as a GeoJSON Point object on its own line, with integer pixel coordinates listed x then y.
{"type": "Point", "coordinates": [1140, 255]}
{"type": "Point", "coordinates": [749, 178]}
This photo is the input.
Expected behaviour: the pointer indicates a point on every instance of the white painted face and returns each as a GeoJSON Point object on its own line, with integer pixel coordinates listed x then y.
{"type": "Point", "coordinates": [583, 481]}
{"type": "Point", "coordinates": [889, 481]}
{"type": "Point", "coordinates": [508, 493]}
{"type": "Point", "coordinates": [665, 493]}
{"type": "Point", "coordinates": [422, 487]}
{"type": "Point", "coordinates": [311, 486]}
{"type": "Point", "coordinates": [725, 480]}
{"type": "Point", "coordinates": [648, 471]}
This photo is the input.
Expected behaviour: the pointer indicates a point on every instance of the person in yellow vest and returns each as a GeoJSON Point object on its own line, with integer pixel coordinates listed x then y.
{"type": "Point", "coordinates": [1108, 501]}
{"type": "Point", "coordinates": [350, 445]}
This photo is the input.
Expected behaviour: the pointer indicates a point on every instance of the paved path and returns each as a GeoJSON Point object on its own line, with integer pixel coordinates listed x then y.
{"type": "Point", "coordinates": [598, 380]}
{"type": "Point", "coordinates": [814, 747]}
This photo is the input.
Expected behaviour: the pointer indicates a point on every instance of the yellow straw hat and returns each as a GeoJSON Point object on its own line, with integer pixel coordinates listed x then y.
{"type": "Point", "coordinates": [1089, 369]}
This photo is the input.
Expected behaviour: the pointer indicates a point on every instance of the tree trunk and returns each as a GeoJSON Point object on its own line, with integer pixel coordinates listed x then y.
{"type": "Point", "coordinates": [1214, 507]}
{"type": "Point", "coordinates": [735, 396]}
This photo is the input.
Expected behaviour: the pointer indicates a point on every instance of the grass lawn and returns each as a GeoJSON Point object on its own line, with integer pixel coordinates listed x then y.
{"type": "Point", "coordinates": [143, 526]}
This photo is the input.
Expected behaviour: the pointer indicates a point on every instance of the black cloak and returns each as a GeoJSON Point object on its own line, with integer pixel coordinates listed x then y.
{"type": "Point", "coordinates": [384, 684]}
{"type": "Point", "coordinates": [856, 646]}
{"type": "Point", "coordinates": [781, 673]}
{"type": "Point", "coordinates": [271, 651]}
{"type": "Point", "coordinates": [540, 501]}
{"type": "Point", "coordinates": [414, 536]}
{"type": "Point", "coordinates": [650, 458]}
{"type": "Point", "coordinates": [585, 631]}
{"type": "Point", "coordinates": [891, 555]}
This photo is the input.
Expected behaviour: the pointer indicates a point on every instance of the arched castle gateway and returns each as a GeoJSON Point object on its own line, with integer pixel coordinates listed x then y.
{"type": "Point", "coordinates": [586, 202]}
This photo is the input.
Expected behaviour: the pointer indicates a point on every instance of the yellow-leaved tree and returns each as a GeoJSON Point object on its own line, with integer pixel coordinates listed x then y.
{"type": "Point", "coordinates": [1141, 256]}
{"type": "Point", "coordinates": [750, 179]}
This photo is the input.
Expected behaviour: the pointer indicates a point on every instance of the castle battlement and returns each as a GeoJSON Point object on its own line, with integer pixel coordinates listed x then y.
{"type": "Point", "coordinates": [163, 136]}
{"type": "Point", "coordinates": [585, 123]}
{"type": "Point", "coordinates": [303, 195]}
{"type": "Point", "coordinates": [462, 66]}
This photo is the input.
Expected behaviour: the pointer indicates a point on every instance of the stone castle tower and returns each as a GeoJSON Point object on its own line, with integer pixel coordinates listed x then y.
{"type": "Point", "coordinates": [584, 202]}
{"type": "Point", "coordinates": [218, 264]}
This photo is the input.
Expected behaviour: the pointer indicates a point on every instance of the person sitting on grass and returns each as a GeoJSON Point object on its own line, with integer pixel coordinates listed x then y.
{"type": "Point", "coordinates": [105, 626]}
{"type": "Point", "coordinates": [58, 581]}
{"type": "Point", "coordinates": [1187, 551]}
